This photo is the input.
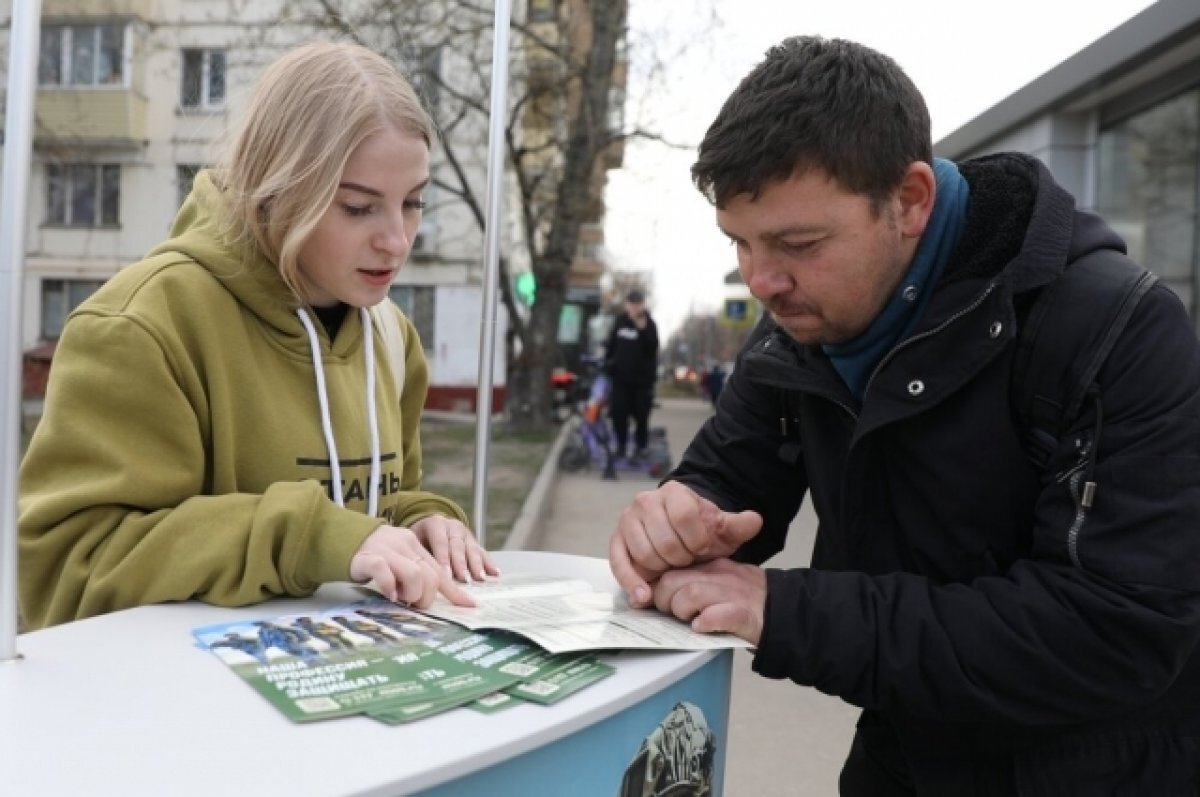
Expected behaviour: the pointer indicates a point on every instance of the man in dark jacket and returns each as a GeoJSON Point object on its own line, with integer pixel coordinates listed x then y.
{"type": "Point", "coordinates": [1001, 635]}
{"type": "Point", "coordinates": [631, 362]}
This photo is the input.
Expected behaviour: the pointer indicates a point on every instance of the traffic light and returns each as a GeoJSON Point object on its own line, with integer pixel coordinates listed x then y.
{"type": "Point", "coordinates": [526, 287]}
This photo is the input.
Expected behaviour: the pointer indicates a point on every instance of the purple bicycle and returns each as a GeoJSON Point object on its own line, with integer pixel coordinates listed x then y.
{"type": "Point", "coordinates": [591, 441]}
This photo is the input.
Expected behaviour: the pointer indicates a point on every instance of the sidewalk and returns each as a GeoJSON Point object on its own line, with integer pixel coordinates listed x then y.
{"type": "Point", "coordinates": [784, 739]}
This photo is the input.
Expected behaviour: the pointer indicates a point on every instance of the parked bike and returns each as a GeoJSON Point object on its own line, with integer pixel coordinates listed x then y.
{"type": "Point", "coordinates": [591, 443]}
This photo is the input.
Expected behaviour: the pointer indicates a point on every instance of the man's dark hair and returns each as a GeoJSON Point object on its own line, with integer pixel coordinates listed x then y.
{"type": "Point", "coordinates": [819, 103]}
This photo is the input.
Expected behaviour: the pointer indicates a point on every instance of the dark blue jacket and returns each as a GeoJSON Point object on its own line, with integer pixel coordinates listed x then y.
{"type": "Point", "coordinates": [998, 632]}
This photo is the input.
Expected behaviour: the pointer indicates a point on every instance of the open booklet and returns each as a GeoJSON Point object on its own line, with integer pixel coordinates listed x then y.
{"type": "Point", "coordinates": [566, 614]}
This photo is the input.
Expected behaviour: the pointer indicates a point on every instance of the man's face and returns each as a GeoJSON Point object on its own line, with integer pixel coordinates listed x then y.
{"type": "Point", "coordinates": [354, 252]}
{"type": "Point", "coordinates": [817, 257]}
{"type": "Point", "coordinates": [635, 309]}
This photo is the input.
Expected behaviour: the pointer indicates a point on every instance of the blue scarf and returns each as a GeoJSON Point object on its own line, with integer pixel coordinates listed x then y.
{"type": "Point", "coordinates": [856, 359]}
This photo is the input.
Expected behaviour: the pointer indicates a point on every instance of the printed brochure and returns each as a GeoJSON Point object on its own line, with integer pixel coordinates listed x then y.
{"type": "Point", "coordinates": [565, 615]}
{"type": "Point", "coordinates": [352, 659]}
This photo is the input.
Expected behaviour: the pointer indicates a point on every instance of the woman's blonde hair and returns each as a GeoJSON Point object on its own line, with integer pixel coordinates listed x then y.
{"type": "Point", "coordinates": [309, 111]}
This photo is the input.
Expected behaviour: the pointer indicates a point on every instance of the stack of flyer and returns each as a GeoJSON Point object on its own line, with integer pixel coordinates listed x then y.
{"type": "Point", "coordinates": [376, 658]}
{"type": "Point", "coordinates": [529, 638]}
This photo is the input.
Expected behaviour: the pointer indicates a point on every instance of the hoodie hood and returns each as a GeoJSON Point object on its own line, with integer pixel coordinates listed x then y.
{"type": "Point", "coordinates": [252, 279]}
{"type": "Point", "coordinates": [255, 282]}
{"type": "Point", "coordinates": [1020, 220]}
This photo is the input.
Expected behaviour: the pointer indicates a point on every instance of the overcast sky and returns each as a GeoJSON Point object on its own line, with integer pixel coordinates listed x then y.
{"type": "Point", "coordinates": [965, 57]}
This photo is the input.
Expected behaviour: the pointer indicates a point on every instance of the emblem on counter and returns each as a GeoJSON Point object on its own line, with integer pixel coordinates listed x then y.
{"type": "Point", "coordinates": [675, 760]}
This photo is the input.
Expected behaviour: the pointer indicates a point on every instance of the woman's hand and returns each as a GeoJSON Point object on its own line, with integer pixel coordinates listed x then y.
{"type": "Point", "coordinates": [454, 547]}
{"type": "Point", "coordinates": [404, 570]}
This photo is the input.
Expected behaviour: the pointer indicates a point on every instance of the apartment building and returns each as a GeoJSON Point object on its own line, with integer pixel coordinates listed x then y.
{"type": "Point", "coordinates": [134, 96]}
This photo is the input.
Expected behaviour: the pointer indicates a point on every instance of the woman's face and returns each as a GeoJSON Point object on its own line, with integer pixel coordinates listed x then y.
{"type": "Point", "coordinates": [366, 233]}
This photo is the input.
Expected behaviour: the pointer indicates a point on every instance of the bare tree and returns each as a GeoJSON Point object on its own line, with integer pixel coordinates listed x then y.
{"type": "Point", "coordinates": [557, 132]}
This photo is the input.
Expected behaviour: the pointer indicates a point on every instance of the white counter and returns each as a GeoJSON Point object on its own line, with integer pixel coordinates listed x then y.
{"type": "Point", "coordinates": [126, 704]}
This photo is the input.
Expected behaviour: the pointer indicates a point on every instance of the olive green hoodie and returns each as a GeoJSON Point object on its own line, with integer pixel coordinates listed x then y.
{"type": "Point", "coordinates": [181, 452]}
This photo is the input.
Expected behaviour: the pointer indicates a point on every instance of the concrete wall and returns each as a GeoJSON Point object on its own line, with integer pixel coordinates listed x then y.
{"type": "Point", "coordinates": [1065, 142]}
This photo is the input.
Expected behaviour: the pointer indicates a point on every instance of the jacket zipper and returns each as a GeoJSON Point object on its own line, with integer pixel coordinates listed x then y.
{"type": "Point", "coordinates": [979, 300]}
{"type": "Point", "coordinates": [1080, 516]}
{"type": "Point", "coordinates": [1081, 494]}
{"type": "Point", "coordinates": [929, 333]}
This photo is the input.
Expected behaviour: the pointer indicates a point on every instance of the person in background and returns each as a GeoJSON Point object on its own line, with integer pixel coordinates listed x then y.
{"type": "Point", "coordinates": [236, 417]}
{"type": "Point", "coordinates": [1007, 627]}
{"type": "Point", "coordinates": [714, 382]}
{"type": "Point", "coordinates": [631, 362]}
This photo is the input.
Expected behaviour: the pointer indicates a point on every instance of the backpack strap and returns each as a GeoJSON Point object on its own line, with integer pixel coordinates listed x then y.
{"type": "Point", "coordinates": [1067, 335]}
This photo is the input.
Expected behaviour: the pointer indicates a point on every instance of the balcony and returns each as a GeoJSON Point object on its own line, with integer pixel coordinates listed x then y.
{"type": "Point", "coordinates": [90, 117]}
{"type": "Point", "coordinates": [69, 9]}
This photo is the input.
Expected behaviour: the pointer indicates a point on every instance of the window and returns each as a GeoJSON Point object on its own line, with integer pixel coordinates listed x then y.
{"type": "Point", "coordinates": [185, 175]}
{"type": "Point", "coordinates": [82, 55]}
{"type": "Point", "coordinates": [1147, 189]}
{"type": "Point", "coordinates": [59, 298]}
{"type": "Point", "coordinates": [203, 79]}
{"type": "Point", "coordinates": [542, 10]}
{"type": "Point", "coordinates": [418, 303]}
{"type": "Point", "coordinates": [83, 194]}
{"type": "Point", "coordinates": [616, 110]}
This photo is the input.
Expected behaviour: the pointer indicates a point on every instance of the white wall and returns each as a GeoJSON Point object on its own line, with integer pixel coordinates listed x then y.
{"type": "Point", "coordinates": [455, 359]}
{"type": "Point", "coordinates": [1065, 142]}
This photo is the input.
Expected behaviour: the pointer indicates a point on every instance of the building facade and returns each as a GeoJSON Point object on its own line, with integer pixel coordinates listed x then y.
{"type": "Point", "coordinates": [135, 96]}
{"type": "Point", "coordinates": [1118, 124]}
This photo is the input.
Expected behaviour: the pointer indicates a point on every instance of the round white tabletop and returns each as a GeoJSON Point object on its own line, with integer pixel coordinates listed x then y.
{"type": "Point", "coordinates": [127, 704]}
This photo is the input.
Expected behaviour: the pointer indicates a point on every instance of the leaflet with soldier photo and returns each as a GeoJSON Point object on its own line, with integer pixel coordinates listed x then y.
{"type": "Point", "coordinates": [350, 660]}
{"type": "Point", "coordinates": [546, 677]}
{"type": "Point", "coordinates": [564, 614]}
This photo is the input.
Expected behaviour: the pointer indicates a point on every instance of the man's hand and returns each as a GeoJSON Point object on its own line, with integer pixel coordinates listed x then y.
{"type": "Point", "coordinates": [455, 548]}
{"type": "Point", "coordinates": [716, 596]}
{"type": "Point", "coordinates": [403, 570]}
{"type": "Point", "coordinates": [671, 528]}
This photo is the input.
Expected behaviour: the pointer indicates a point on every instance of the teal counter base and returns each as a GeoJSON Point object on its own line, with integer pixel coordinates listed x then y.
{"type": "Point", "coordinates": [673, 741]}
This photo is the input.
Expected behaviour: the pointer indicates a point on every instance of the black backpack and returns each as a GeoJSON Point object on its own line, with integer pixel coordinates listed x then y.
{"type": "Point", "coordinates": [1067, 335]}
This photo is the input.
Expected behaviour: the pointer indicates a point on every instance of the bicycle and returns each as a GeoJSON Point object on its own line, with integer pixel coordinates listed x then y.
{"type": "Point", "coordinates": [591, 441]}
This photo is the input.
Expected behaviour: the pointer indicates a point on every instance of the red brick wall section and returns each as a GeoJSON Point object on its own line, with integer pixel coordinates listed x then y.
{"type": "Point", "coordinates": [454, 398]}
{"type": "Point", "coordinates": [35, 370]}
{"type": "Point", "coordinates": [460, 398]}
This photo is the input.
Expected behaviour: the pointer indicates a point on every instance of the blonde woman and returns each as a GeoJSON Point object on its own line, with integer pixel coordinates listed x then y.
{"type": "Point", "coordinates": [236, 416]}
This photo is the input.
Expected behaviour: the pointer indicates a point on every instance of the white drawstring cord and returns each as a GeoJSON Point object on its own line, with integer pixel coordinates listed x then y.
{"type": "Point", "coordinates": [335, 467]}
{"type": "Point", "coordinates": [372, 417]}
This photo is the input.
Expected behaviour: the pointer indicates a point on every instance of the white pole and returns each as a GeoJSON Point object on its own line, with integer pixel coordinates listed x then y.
{"type": "Point", "coordinates": [491, 263]}
{"type": "Point", "coordinates": [18, 151]}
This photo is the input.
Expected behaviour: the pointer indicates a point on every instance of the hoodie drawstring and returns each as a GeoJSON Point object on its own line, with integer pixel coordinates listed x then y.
{"type": "Point", "coordinates": [335, 467]}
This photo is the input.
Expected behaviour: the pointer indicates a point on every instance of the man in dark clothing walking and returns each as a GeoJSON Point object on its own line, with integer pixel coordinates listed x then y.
{"type": "Point", "coordinates": [1007, 627]}
{"type": "Point", "coordinates": [631, 362]}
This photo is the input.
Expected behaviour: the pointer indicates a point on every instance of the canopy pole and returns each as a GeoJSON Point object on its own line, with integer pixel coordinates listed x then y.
{"type": "Point", "coordinates": [18, 151]}
{"type": "Point", "coordinates": [491, 264]}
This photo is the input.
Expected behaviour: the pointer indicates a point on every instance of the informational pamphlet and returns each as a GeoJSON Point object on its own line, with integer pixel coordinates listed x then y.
{"type": "Point", "coordinates": [564, 615]}
{"type": "Point", "coordinates": [527, 640]}
{"type": "Point", "coordinates": [353, 659]}
{"type": "Point", "coordinates": [503, 652]}
{"type": "Point", "coordinates": [376, 658]}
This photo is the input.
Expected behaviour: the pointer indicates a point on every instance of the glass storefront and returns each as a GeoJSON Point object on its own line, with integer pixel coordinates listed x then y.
{"type": "Point", "coordinates": [1148, 184]}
